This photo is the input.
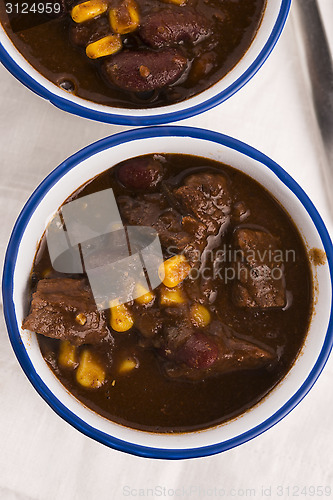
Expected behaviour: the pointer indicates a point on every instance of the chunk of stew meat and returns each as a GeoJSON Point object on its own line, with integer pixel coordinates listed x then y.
{"type": "Point", "coordinates": [64, 309]}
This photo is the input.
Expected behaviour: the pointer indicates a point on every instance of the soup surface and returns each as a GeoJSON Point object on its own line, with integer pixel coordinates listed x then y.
{"type": "Point", "coordinates": [219, 330]}
{"type": "Point", "coordinates": [133, 53]}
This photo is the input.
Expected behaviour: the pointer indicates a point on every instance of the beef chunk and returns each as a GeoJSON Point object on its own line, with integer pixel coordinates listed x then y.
{"type": "Point", "coordinates": [206, 197]}
{"type": "Point", "coordinates": [172, 26]}
{"type": "Point", "coordinates": [54, 309]}
{"type": "Point", "coordinates": [148, 321]}
{"type": "Point", "coordinates": [84, 33]}
{"type": "Point", "coordinates": [177, 329]}
{"type": "Point", "coordinates": [143, 210]}
{"type": "Point", "coordinates": [177, 234]}
{"type": "Point", "coordinates": [260, 281]}
{"type": "Point", "coordinates": [215, 350]}
{"type": "Point", "coordinates": [145, 70]}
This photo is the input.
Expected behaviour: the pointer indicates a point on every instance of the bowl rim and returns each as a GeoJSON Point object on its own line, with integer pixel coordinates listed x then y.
{"type": "Point", "coordinates": [9, 307]}
{"type": "Point", "coordinates": [158, 118]}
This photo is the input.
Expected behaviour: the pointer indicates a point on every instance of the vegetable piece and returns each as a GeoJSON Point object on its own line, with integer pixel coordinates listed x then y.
{"type": "Point", "coordinates": [172, 296]}
{"type": "Point", "coordinates": [145, 70]}
{"type": "Point", "coordinates": [176, 2]}
{"type": "Point", "coordinates": [104, 47]}
{"type": "Point", "coordinates": [172, 26]}
{"type": "Point", "coordinates": [81, 319]}
{"type": "Point", "coordinates": [125, 17]}
{"type": "Point", "coordinates": [200, 316]}
{"type": "Point", "coordinates": [67, 355]}
{"type": "Point", "coordinates": [88, 10]}
{"type": "Point", "coordinates": [90, 373]}
{"type": "Point", "coordinates": [121, 318]}
{"type": "Point", "coordinates": [174, 270]}
{"type": "Point", "coordinates": [127, 365]}
{"type": "Point", "coordinates": [140, 173]}
{"type": "Point", "coordinates": [144, 296]}
{"type": "Point", "coordinates": [199, 351]}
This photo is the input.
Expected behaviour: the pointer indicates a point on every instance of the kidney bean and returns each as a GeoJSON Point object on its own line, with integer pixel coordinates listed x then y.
{"type": "Point", "coordinates": [140, 173]}
{"type": "Point", "coordinates": [199, 351]}
{"type": "Point", "coordinates": [144, 70]}
{"type": "Point", "coordinates": [172, 26]}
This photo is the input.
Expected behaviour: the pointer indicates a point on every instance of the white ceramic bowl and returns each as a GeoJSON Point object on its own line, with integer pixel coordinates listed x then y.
{"type": "Point", "coordinates": [91, 161]}
{"type": "Point", "coordinates": [269, 32]}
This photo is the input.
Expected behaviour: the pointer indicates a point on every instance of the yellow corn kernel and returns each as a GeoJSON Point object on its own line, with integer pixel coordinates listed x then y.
{"type": "Point", "coordinates": [81, 319]}
{"type": "Point", "coordinates": [104, 47]}
{"type": "Point", "coordinates": [200, 315]}
{"type": "Point", "coordinates": [172, 296]}
{"type": "Point", "coordinates": [121, 318]}
{"type": "Point", "coordinates": [90, 373]}
{"type": "Point", "coordinates": [127, 365]}
{"type": "Point", "coordinates": [125, 17]}
{"type": "Point", "coordinates": [88, 10]}
{"type": "Point", "coordinates": [46, 273]}
{"type": "Point", "coordinates": [67, 355]}
{"type": "Point", "coordinates": [176, 2]}
{"type": "Point", "coordinates": [174, 270]}
{"type": "Point", "coordinates": [142, 294]}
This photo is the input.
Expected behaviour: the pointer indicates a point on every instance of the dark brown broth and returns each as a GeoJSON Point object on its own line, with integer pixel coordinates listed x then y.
{"type": "Point", "coordinates": [146, 398]}
{"type": "Point", "coordinates": [47, 47]}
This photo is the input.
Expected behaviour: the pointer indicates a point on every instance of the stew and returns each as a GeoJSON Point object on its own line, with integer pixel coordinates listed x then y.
{"type": "Point", "coordinates": [220, 330]}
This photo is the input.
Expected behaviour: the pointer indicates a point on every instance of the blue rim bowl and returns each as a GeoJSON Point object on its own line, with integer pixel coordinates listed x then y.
{"type": "Point", "coordinates": [268, 35]}
{"type": "Point", "coordinates": [94, 159]}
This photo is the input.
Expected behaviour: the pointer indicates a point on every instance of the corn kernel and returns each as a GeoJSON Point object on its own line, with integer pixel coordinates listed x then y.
{"type": "Point", "coordinates": [125, 17]}
{"type": "Point", "coordinates": [46, 273]}
{"type": "Point", "coordinates": [174, 270]}
{"type": "Point", "coordinates": [176, 2]}
{"type": "Point", "coordinates": [172, 296]}
{"type": "Point", "coordinates": [127, 365]}
{"type": "Point", "coordinates": [142, 294]}
{"type": "Point", "coordinates": [81, 319]}
{"type": "Point", "coordinates": [104, 47]}
{"type": "Point", "coordinates": [90, 373]}
{"type": "Point", "coordinates": [67, 355]}
{"type": "Point", "coordinates": [121, 318]}
{"type": "Point", "coordinates": [88, 10]}
{"type": "Point", "coordinates": [200, 315]}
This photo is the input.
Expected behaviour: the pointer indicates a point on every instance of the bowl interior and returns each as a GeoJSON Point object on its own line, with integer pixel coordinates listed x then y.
{"type": "Point", "coordinates": [268, 33]}
{"type": "Point", "coordinates": [98, 161]}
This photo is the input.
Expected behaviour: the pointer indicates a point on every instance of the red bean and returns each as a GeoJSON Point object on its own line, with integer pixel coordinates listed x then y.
{"type": "Point", "coordinates": [140, 173]}
{"type": "Point", "coordinates": [199, 351]}
{"type": "Point", "coordinates": [170, 27]}
{"type": "Point", "coordinates": [145, 70]}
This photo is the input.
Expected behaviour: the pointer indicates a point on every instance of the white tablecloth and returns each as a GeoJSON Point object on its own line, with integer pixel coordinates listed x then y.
{"type": "Point", "coordinates": [41, 456]}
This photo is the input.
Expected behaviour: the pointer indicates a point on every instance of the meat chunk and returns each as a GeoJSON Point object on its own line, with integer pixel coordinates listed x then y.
{"type": "Point", "coordinates": [169, 27]}
{"type": "Point", "coordinates": [177, 234]}
{"type": "Point", "coordinates": [64, 308]}
{"type": "Point", "coordinates": [144, 210]}
{"type": "Point", "coordinates": [148, 321]}
{"type": "Point", "coordinates": [206, 197]}
{"type": "Point", "coordinates": [217, 350]}
{"type": "Point", "coordinates": [145, 70]}
{"type": "Point", "coordinates": [84, 33]}
{"type": "Point", "coordinates": [260, 279]}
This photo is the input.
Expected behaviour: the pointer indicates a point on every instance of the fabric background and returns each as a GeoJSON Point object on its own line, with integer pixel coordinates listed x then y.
{"type": "Point", "coordinates": [41, 456]}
